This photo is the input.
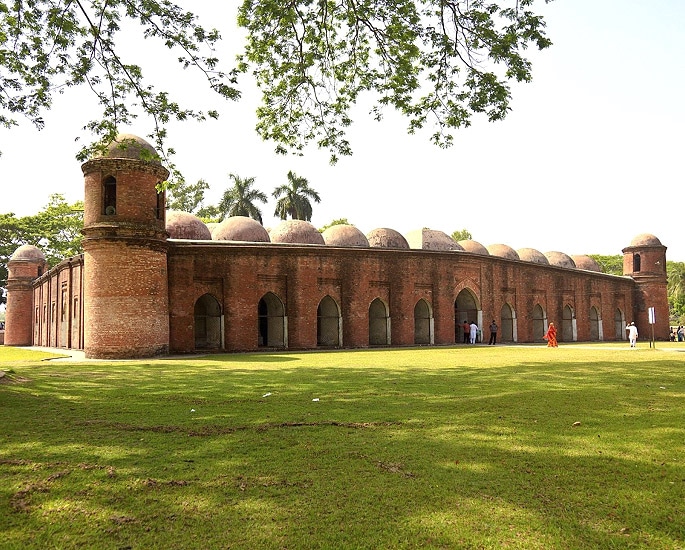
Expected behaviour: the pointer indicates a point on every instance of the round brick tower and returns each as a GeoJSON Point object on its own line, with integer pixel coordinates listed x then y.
{"type": "Point", "coordinates": [645, 261]}
{"type": "Point", "coordinates": [125, 287]}
{"type": "Point", "coordinates": [26, 264]}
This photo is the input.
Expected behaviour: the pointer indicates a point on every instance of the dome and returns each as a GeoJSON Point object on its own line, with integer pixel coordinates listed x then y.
{"type": "Point", "coordinates": [128, 146]}
{"type": "Point", "coordinates": [28, 253]}
{"type": "Point", "coordinates": [344, 235]}
{"type": "Point", "coordinates": [474, 247]}
{"type": "Point", "coordinates": [585, 262]}
{"type": "Point", "coordinates": [296, 232]}
{"type": "Point", "coordinates": [386, 238]}
{"type": "Point", "coordinates": [560, 259]}
{"type": "Point", "coordinates": [645, 239]}
{"type": "Point", "coordinates": [240, 228]}
{"type": "Point", "coordinates": [182, 225]}
{"type": "Point", "coordinates": [503, 251]}
{"type": "Point", "coordinates": [532, 255]}
{"type": "Point", "coordinates": [430, 239]}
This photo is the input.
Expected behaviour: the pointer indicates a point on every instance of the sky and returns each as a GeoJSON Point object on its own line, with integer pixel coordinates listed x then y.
{"type": "Point", "coordinates": [590, 156]}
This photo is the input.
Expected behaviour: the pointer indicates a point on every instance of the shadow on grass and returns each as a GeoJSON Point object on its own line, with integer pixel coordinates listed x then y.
{"type": "Point", "coordinates": [530, 456]}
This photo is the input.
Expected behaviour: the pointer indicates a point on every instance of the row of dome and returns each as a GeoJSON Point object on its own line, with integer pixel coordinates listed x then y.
{"type": "Point", "coordinates": [182, 225]}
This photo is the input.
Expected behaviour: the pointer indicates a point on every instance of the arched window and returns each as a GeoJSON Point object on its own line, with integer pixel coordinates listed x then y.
{"type": "Point", "coordinates": [508, 330]}
{"type": "Point", "coordinates": [636, 263]}
{"type": "Point", "coordinates": [328, 323]}
{"type": "Point", "coordinates": [207, 323]}
{"type": "Point", "coordinates": [271, 327]}
{"type": "Point", "coordinates": [539, 323]}
{"type": "Point", "coordinates": [160, 205]}
{"type": "Point", "coordinates": [423, 323]}
{"type": "Point", "coordinates": [595, 329]}
{"type": "Point", "coordinates": [109, 194]}
{"type": "Point", "coordinates": [379, 324]}
{"type": "Point", "coordinates": [568, 325]}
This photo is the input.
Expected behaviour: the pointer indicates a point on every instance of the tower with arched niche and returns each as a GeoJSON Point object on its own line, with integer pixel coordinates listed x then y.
{"type": "Point", "coordinates": [125, 288]}
{"type": "Point", "coordinates": [645, 261]}
{"type": "Point", "coordinates": [26, 264]}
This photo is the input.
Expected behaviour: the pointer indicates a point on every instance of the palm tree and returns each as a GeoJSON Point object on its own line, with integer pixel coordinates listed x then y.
{"type": "Point", "coordinates": [293, 199]}
{"type": "Point", "coordinates": [239, 200]}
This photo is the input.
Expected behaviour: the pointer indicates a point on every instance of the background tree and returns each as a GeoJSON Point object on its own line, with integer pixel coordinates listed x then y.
{"type": "Point", "coordinates": [240, 199]}
{"type": "Point", "coordinates": [293, 198]}
{"type": "Point", "coordinates": [462, 235]}
{"type": "Point", "coordinates": [676, 290]}
{"type": "Point", "coordinates": [436, 61]}
{"type": "Point", "coordinates": [186, 197]}
{"type": "Point", "coordinates": [609, 264]}
{"type": "Point", "coordinates": [56, 230]}
{"type": "Point", "coordinates": [338, 221]}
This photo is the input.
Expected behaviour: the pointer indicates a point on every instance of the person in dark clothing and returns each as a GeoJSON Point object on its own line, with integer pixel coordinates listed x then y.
{"type": "Point", "coordinates": [466, 327]}
{"type": "Point", "coordinates": [493, 333]}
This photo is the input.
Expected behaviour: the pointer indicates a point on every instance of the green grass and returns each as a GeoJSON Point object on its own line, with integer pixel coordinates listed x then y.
{"type": "Point", "coordinates": [464, 447]}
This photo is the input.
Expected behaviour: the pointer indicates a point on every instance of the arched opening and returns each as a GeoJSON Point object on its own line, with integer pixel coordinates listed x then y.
{"type": "Point", "coordinates": [539, 323]}
{"type": "Point", "coordinates": [208, 325]}
{"type": "Point", "coordinates": [595, 325]}
{"type": "Point", "coordinates": [619, 325]}
{"type": "Point", "coordinates": [508, 328]}
{"type": "Point", "coordinates": [272, 322]}
{"type": "Point", "coordinates": [379, 324]}
{"type": "Point", "coordinates": [161, 205]}
{"type": "Point", "coordinates": [328, 323]}
{"type": "Point", "coordinates": [109, 196]}
{"type": "Point", "coordinates": [466, 309]}
{"type": "Point", "coordinates": [568, 325]}
{"type": "Point", "coordinates": [636, 263]}
{"type": "Point", "coordinates": [423, 323]}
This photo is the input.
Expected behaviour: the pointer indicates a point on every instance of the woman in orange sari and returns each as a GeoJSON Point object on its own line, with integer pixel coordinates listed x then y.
{"type": "Point", "coordinates": [551, 336]}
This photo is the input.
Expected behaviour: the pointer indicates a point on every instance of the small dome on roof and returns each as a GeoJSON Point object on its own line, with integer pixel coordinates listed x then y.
{"type": "Point", "coordinates": [645, 239]}
{"type": "Point", "coordinates": [296, 232]}
{"type": "Point", "coordinates": [384, 237]}
{"type": "Point", "coordinates": [474, 247]}
{"type": "Point", "coordinates": [431, 239]}
{"type": "Point", "coordinates": [503, 251]}
{"type": "Point", "coordinates": [532, 255]}
{"type": "Point", "coordinates": [585, 262]}
{"type": "Point", "coordinates": [344, 235]}
{"type": "Point", "coordinates": [240, 228]}
{"type": "Point", "coordinates": [559, 259]}
{"type": "Point", "coordinates": [128, 146]}
{"type": "Point", "coordinates": [183, 225]}
{"type": "Point", "coordinates": [28, 253]}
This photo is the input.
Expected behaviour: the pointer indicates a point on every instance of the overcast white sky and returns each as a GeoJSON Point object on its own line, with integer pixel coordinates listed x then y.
{"type": "Point", "coordinates": [590, 156]}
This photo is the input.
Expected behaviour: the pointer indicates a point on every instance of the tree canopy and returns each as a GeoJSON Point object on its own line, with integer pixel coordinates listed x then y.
{"type": "Point", "coordinates": [56, 230]}
{"type": "Point", "coordinates": [437, 62]}
{"type": "Point", "coordinates": [293, 198]}
{"type": "Point", "coordinates": [240, 199]}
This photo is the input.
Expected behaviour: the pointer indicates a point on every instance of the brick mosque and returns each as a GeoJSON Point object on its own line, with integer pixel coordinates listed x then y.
{"type": "Point", "coordinates": [153, 282]}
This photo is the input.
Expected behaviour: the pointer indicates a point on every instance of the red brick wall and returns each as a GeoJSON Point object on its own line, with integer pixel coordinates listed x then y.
{"type": "Point", "coordinates": [238, 275]}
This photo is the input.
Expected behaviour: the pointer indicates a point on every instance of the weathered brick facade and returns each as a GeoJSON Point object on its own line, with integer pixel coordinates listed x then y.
{"type": "Point", "coordinates": [137, 293]}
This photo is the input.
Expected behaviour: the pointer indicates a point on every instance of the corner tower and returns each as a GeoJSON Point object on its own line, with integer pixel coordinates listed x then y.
{"type": "Point", "coordinates": [26, 264]}
{"type": "Point", "coordinates": [645, 261]}
{"type": "Point", "coordinates": [125, 287]}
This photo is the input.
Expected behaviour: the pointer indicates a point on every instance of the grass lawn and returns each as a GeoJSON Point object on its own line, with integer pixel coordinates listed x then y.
{"type": "Point", "coordinates": [464, 447]}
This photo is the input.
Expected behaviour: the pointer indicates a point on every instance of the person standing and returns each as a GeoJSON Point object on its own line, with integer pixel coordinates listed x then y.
{"type": "Point", "coordinates": [473, 332]}
{"type": "Point", "coordinates": [632, 334]}
{"type": "Point", "coordinates": [467, 329]}
{"type": "Point", "coordinates": [493, 333]}
{"type": "Point", "coordinates": [551, 336]}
